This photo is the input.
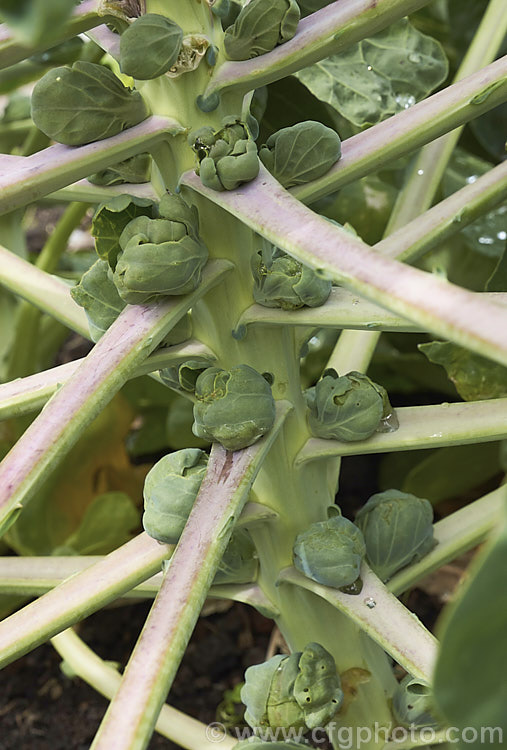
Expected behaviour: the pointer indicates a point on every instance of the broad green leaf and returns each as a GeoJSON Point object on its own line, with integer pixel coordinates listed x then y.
{"type": "Point", "coordinates": [111, 219]}
{"type": "Point", "coordinates": [36, 21]}
{"type": "Point", "coordinates": [470, 687]}
{"type": "Point", "coordinates": [475, 377]}
{"type": "Point", "coordinates": [366, 204]}
{"type": "Point", "coordinates": [491, 131]}
{"type": "Point", "coordinates": [379, 76]}
{"type": "Point", "coordinates": [460, 263]}
{"type": "Point", "coordinates": [107, 523]}
{"type": "Point", "coordinates": [487, 234]}
{"type": "Point", "coordinates": [447, 472]}
{"type": "Point", "coordinates": [97, 464]}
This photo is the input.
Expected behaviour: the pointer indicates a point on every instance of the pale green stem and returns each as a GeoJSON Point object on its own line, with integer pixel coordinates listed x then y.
{"type": "Point", "coordinates": [343, 310]}
{"type": "Point", "coordinates": [88, 193]}
{"type": "Point", "coordinates": [12, 50]}
{"type": "Point", "coordinates": [32, 177]}
{"type": "Point", "coordinates": [429, 301]}
{"type": "Point", "coordinates": [25, 395]}
{"type": "Point", "coordinates": [126, 344]}
{"type": "Point", "coordinates": [80, 595]}
{"type": "Point", "coordinates": [131, 716]}
{"type": "Point", "coordinates": [367, 152]}
{"type": "Point", "coordinates": [355, 351]}
{"type": "Point", "coordinates": [428, 168]}
{"type": "Point", "coordinates": [454, 534]}
{"type": "Point", "coordinates": [188, 733]}
{"type": "Point", "coordinates": [326, 32]}
{"type": "Point", "coordinates": [381, 616]}
{"type": "Point", "coordinates": [435, 426]}
{"type": "Point", "coordinates": [23, 360]}
{"type": "Point", "coordinates": [49, 293]}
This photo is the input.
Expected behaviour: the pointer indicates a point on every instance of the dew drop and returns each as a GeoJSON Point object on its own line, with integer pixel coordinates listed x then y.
{"type": "Point", "coordinates": [486, 240]}
{"type": "Point", "coordinates": [369, 67]}
{"type": "Point", "coordinates": [420, 172]}
{"type": "Point", "coordinates": [404, 101]}
{"type": "Point", "coordinates": [414, 57]}
{"type": "Point", "coordinates": [370, 603]}
{"type": "Point", "coordinates": [471, 179]}
{"type": "Point", "coordinates": [502, 235]}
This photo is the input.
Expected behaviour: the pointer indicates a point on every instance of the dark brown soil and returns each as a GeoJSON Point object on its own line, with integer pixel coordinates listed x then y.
{"type": "Point", "coordinates": [42, 709]}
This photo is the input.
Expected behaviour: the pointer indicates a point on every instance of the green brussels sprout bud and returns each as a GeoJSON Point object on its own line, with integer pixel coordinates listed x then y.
{"type": "Point", "coordinates": [260, 26]}
{"type": "Point", "coordinates": [150, 46]}
{"type": "Point", "coordinates": [170, 489]}
{"type": "Point", "coordinates": [183, 376]}
{"type": "Point", "coordinates": [99, 297]}
{"type": "Point", "coordinates": [234, 407]}
{"type": "Point", "coordinates": [227, 157]}
{"type": "Point", "coordinates": [330, 552]}
{"type": "Point", "coordinates": [135, 170]}
{"type": "Point", "coordinates": [159, 257]}
{"type": "Point", "coordinates": [239, 563]}
{"type": "Point", "coordinates": [412, 704]}
{"type": "Point", "coordinates": [398, 530]}
{"type": "Point", "coordinates": [302, 690]}
{"type": "Point", "coordinates": [84, 103]}
{"type": "Point", "coordinates": [282, 281]}
{"type": "Point", "coordinates": [346, 408]}
{"type": "Point", "coordinates": [301, 153]}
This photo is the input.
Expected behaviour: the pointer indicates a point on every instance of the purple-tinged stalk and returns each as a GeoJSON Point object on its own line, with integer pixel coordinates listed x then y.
{"type": "Point", "coordinates": [131, 716]}
{"type": "Point", "coordinates": [431, 302]}
{"type": "Point", "coordinates": [126, 344]}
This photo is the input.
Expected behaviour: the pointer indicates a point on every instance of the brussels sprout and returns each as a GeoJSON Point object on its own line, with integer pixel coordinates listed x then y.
{"type": "Point", "coordinates": [150, 46]}
{"type": "Point", "coordinates": [239, 563]}
{"type": "Point", "coordinates": [185, 375]}
{"type": "Point", "coordinates": [18, 108]}
{"type": "Point", "coordinates": [99, 297]}
{"type": "Point", "coordinates": [282, 281]}
{"type": "Point", "coordinates": [234, 407]}
{"type": "Point", "coordinates": [227, 157]}
{"type": "Point", "coordinates": [160, 256]}
{"type": "Point", "coordinates": [301, 153]}
{"type": "Point", "coordinates": [347, 408]}
{"type": "Point", "coordinates": [135, 170]}
{"type": "Point", "coordinates": [84, 103]}
{"type": "Point", "coordinates": [170, 489]}
{"type": "Point", "coordinates": [330, 552]}
{"type": "Point", "coordinates": [398, 530]}
{"type": "Point", "coordinates": [260, 26]}
{"type": "Point", "coordinates": [412, 704]}
{"type": "Point", "coordinates": [300, 691]}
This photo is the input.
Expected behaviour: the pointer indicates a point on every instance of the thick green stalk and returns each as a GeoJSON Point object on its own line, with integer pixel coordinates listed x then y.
{"type": "Point", "coordinates": [367, 152]}
{"type": "Point", "coordinates": [80, 595]}
{"type": "Point", "coordinates": [326, 32]}
{"type": "Point", "coordinates": [188, 733]}
{"type": "Point", "coordinates": [382, 617]}
{"type": "Point", "coordinates": [131, 716]}
{"type": "Point", "coordinates": [435, 426]}
{"type": "Point", "coordinates": [133, 336]}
